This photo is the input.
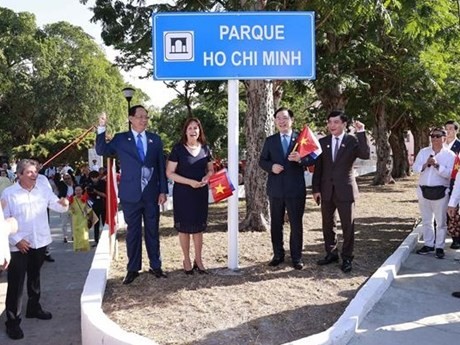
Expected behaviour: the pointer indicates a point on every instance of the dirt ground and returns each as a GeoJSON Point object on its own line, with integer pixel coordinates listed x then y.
{"type": "Point", "coordinates": [259, 304]}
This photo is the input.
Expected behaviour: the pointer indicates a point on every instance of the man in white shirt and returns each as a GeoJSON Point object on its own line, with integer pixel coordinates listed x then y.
{"type": "Point", "coordinates": [27, 201]}
{"type": "Point", "coordinates": [434, 163]}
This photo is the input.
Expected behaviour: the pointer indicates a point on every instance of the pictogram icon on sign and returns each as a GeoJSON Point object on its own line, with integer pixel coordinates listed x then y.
{"type": "Point", "coordinates": [179, 46]}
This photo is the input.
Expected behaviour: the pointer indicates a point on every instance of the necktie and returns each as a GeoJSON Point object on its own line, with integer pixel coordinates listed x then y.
{"type": "Point", "coordinates": [285, 144]}
{"type": "Point", "coordinates": [336, 149]}
{"type": "Point", "coordinates": [140, 147]}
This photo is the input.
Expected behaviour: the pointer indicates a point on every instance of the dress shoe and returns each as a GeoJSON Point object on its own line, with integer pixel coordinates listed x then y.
{"type": "Point", "coordinates": [157, 272]}
{"type": "Point", "coordinates": [14, 331]}
{"type": "Point", "coordinates": [455, 245]}
{"type": "Point", "coordinates": [187, 272]}
{"type": "Point", "coordinates": [49, 258]}
{"type": "Point", "coordinates": [198, 269]}
{"type": "Point", "coordinates": [346, 266]}
{"type": "Point", "coordinates": [456, 294]}
{"type": "Point", "coordinates": [329, 259]}
{"type": "Point", "coordinates": [298, 265]}
{"type": "Point", "coordinates": [39, 314]}
{"type": "Point", "coordinates": [130, 276]}
{"type": "Point", "coordinates": [276, 261]}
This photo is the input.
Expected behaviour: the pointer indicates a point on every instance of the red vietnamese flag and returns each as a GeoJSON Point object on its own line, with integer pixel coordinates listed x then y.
{"type": "Point", "coordinates": [112, 196]}
{"type": "Point", "coordinates": [220, 186]}
{"type": "Point", "coordinates": [455, 168]}
{"type": "Point", "coordinates": [307, 143]}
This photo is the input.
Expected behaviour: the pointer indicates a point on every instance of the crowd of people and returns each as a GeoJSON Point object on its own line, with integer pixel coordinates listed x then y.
{"type": "Point", "coordinates": [79, 196]}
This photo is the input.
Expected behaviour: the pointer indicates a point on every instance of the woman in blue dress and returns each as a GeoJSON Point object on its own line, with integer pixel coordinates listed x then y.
{"type": "Point", "coordinates": [190, 165]}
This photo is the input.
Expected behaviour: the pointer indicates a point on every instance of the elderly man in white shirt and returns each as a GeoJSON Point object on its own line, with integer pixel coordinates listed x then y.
{"type": "Point", "coordinates": [27, 201]}
{"type": "Point", "coordinates": [434, 163]}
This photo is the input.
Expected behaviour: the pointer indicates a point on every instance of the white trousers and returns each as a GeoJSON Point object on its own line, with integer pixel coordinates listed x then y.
{"type": "Point", "coordinates": [433, 210]}
{"type": "Point", "coordinates": [66, 220]}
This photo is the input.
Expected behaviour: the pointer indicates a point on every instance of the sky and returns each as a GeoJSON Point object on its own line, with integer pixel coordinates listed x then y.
{"type": "Point", "coordinates": [52, 11]}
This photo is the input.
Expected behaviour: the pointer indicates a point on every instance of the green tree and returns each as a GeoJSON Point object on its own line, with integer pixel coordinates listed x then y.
{"type": "Point", "coordinates": [53, 78]}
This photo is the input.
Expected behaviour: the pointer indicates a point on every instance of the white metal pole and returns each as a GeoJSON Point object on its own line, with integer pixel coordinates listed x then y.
{"type": "Point", "coordinates": [233, 155]}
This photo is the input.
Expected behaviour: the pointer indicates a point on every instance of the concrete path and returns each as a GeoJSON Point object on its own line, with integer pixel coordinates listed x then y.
{"type": "Point", "coordinates": [418, 307]}
{"type": "Point", "coordinates": [62, 283]}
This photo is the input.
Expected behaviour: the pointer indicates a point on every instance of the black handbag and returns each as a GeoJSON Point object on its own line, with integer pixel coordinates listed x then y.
{"type": "Point", "coordinates": [433, 192]}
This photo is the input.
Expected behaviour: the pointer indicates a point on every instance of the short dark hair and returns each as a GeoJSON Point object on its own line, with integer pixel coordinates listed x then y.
{"type": "Point", "coordinates": [132, 110]}
{"type": "Point", "coordinates": [452, 122]}
{"type": "Point", "coordinates": [335, 113]}
{"type": "Point", "coordinates": [290, 112]}
{"type": "Point", "coordinates": [93, 174]}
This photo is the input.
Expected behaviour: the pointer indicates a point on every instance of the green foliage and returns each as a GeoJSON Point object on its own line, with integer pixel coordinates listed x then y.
{"type": "Point", "coordinates": [52, 78]}
{"type": "Point", "coordinates": [45, 146]}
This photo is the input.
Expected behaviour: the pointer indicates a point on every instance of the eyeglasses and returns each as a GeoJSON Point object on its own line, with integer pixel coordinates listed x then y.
{"type": "Point", "coordinates": [437, 136]}
{"type": "Point", "coordinates": [142, 117]}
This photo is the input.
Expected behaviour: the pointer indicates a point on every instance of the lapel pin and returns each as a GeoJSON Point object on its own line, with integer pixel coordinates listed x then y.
{"type": "Point", "coordinates": [129, 139]}
{"type": "Point", "coordinates": [342, 145]}
{"type": "Point", "coordinates": [328, 146]}
{"type": "Point", "coordinates": [150, 141]}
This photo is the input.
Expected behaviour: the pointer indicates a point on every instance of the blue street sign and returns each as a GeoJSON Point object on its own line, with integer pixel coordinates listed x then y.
{"type": "Point", "coordinates": [237, 45]}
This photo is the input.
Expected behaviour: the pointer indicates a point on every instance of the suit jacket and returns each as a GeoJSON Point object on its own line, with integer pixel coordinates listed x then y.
{"type": "Point", "coordinates": [455, 146]}
{"type": "Point", "coordinates": [339, 175]}
{"type": "Point", "coordinates": [291, 182]}
{"type": "Point", "coordinates": [123, 145]}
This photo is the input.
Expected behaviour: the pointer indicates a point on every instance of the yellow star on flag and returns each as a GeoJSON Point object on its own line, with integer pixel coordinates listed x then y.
{"type": "Point", "coordinates": [220, 189]}
{"type": "Point", "coordinates": [304, 141]}
{"type": "Point", "coordinates": [457, 166]}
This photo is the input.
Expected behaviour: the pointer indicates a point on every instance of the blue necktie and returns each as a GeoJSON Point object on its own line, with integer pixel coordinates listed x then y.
{"type": "Point", "coordinates": [285, 144]}
{"type": "Point", "coordinates": [140, 147]}
{"type": "Point", "coordinates": [336, 149]}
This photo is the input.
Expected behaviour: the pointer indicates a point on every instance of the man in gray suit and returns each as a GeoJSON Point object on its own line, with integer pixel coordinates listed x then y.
{"type": "Point", "coordinates": [334, 185]}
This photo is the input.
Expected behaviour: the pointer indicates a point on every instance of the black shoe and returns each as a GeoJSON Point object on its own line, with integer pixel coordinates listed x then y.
{"type": "Point", "coordinates": [157, 272]}
{"type": "Point", "coordinates": [276, 261]}
{"type": "Point", "coordinates": [65, 240]}
{"type": "Point", "coordinates": [425, 250]}
{"type": "Point", "coordinates": [198, 269]}
{"type": "Point", "coordinates": [455, 245]}
{"type": "Point", "coordinates": [14, 331]}
{"type": "Point", "coordinates": [49, 258]}
{"type": "Point", "coordinates": [298, 265]}
{"type": "Point", "coordinates": [329, 259]}
{"type": "Point", "coordinates": [130, 276]}
{"type": "Point", "coordinates": [346, 266]}
{"type": "Point", "coordinates": [439, 253]}
{"type": "Point", "coordinates": [456, 294]}
{"type": "Point", "coordinates": [39, 314]}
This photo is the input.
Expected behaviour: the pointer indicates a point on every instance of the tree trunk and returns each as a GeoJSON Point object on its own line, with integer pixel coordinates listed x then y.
{"type": "Point", "coordinates": [383, 173]}
{"type": "Point", "coordinates": [259, 124]}
{"type": "Point", "coordinates": [421, 138]}
{"type": "Point", "coordinates": [400, 155]}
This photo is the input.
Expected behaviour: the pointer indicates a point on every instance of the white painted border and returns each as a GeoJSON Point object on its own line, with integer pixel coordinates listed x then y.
{"type": "Point", "coordinates": [341, 332]}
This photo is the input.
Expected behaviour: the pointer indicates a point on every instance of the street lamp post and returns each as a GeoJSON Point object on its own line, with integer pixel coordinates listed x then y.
{"type": "Point", "coordinates": [128, 92]}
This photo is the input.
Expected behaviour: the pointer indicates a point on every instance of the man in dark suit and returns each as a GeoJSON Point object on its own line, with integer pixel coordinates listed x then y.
{"type": "Point", "coordinates": [334, 185]}
{"type": "Point", "coordinates": [143, 187]}
{"type": "Point", "coordinates": [285, 187]}
{"type": "Point", "coordinates": [453, 144]}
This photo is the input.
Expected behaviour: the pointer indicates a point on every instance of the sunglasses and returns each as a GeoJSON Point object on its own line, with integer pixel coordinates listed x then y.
{"type": "Point", "coordinates": [437, 136]}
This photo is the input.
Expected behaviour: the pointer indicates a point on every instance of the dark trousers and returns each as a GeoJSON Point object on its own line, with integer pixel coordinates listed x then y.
{"type": "Point", "coordinates": [347, 221]}
{"type": "Point", "coordinates": [21, 264]}
{"type": "Point", "coordinates": [295, 208]}
{"type": "Point", "coordinates": [99, 211]}
{"type": "Point", "coordinates": [134, 213]}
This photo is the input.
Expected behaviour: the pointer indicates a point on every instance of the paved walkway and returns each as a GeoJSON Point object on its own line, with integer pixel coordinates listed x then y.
{"type": "Point", "coordinates": [62, 283]}
{"type": "Point", "coordinates": [418, 307]}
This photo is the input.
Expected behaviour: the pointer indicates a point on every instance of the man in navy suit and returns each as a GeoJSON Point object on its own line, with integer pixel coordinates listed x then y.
{"type": "Point", "coordinates": [453, 144]}
{"type": "Point", "coordinates": [285, 187]}
{"type": "Point", "coordinates": [334, 185]}
{"type": "Point", "coordinates": [143, 187]}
